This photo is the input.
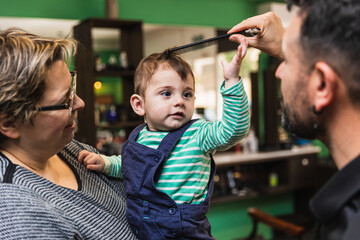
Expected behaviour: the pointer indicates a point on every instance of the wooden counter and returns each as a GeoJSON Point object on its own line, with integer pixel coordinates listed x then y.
{"type": "Point", "coordinates": [233, 158]}
{"type": "Point", "coordinates": [242, 176]}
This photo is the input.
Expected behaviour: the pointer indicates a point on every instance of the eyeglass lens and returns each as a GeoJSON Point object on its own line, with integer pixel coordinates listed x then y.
{"type": "Point", "coordinates": [73, 92]}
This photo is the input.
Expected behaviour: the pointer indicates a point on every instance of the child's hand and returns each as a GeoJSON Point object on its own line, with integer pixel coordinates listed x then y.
{"type": "Point", "coordinates": [232, 69]}
{"type": "Point", "coordinates": [92, 161]}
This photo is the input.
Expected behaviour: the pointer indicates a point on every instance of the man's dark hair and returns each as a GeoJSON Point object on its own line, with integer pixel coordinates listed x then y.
{"type": "Point", "coordinates": [331, 33]}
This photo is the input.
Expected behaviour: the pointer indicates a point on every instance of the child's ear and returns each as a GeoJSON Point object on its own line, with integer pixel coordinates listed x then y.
{"type": "Point", "coordinates": [137, 104]}
{"type": "Point", "coordinates": [8, 128]}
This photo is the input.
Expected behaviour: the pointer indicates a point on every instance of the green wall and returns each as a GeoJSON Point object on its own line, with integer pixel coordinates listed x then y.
{"type": "Point", "coordinates": [215, 13]}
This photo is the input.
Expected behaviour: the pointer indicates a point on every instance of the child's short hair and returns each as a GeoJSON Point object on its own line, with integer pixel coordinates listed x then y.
{"type": "Point", "coordinates": [165, 60]}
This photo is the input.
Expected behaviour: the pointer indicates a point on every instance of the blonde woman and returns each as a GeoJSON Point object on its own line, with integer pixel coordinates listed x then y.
{"type": "Point", "coordinates": [45, 192]}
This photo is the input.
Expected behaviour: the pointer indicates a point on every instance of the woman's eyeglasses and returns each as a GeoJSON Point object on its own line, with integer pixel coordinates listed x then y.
{"type": "Point", "coordinates": [69, 102]}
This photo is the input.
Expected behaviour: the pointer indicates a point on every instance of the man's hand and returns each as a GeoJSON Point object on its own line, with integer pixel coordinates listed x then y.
{"type": "Point", "coordinates": [270, 36]}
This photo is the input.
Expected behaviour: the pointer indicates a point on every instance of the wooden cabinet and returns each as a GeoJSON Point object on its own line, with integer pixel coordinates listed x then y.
{"type": "Point", "coordinates": [243, 176]}
{"type": "Point", "coordinates": [131, 42]}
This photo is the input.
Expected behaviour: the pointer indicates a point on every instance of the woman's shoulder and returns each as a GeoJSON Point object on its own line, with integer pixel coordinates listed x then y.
{"type": "Point", "coordinates": [75, 147]}
{"type": "Point", "coordinates": [70, 153]}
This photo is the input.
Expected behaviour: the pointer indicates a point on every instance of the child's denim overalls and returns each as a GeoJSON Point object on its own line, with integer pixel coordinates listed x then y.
{"type": "Point", "coordinates": [152, 214]}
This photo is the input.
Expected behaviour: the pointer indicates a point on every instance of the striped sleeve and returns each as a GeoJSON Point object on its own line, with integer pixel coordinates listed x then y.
{"type": "Point", "coordinates": [113, 165]}
{"type": "Point", "coordinates": [234, 124]}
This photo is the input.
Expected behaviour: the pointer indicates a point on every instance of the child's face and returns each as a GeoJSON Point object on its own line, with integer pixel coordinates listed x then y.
{"type": "Point", "coordinates": [169, 100]}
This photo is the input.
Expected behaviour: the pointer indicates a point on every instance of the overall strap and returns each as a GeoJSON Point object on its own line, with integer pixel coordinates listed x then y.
{"type": "Point", "coordinates": [136, 131]}
{"type": "Point", "coordinates": [170, 140]}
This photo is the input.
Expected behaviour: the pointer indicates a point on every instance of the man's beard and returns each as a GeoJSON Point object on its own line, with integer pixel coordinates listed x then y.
{"type": "Point", "coordinates": [305, 125]}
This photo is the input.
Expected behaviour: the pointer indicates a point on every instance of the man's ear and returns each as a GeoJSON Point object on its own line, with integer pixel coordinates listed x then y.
{"type": "Point", "coordinates": [137, 104]}
{"type": "Point", "coordinates": [8, 128]}
{"type": "Point", "coordinates": [324, 84]}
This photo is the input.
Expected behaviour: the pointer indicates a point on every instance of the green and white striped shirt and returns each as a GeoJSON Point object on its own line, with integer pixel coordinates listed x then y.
{"type": "Point", "coordinates": [187, 170]}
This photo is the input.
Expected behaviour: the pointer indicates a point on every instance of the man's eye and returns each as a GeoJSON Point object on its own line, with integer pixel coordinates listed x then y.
{"type": "Point", "coordinates": [188, 94]}
{"type": "Point", "coordinates": [165, 93]}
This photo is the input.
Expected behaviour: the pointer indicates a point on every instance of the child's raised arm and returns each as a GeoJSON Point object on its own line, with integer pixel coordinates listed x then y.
{"type": "Point", "coordinates": [232, 69]}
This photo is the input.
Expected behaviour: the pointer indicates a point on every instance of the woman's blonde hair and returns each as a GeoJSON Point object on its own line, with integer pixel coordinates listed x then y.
{"type": "Point", "coordinates": [24, 59]}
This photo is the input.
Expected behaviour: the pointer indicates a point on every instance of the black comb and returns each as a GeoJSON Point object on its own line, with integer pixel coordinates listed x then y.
{"type": "Point", "coordinates": [188, 47]}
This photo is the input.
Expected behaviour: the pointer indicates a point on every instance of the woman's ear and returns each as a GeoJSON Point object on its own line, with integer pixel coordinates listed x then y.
{"type": "Point", "coordinates": [137, 104]}
{"type": "Point", "coordinates": [324, 83]}
{"type": "Point", "coordinates": [8, 128]}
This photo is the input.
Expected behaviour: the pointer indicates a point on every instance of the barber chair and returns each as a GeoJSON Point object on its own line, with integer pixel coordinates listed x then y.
{"type": "Point", "coordinates": [293, 231]}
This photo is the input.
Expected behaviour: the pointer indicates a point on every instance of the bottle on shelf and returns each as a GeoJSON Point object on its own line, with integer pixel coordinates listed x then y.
{"type": "Point", "coordinates": [124, 64]}
{"type": "Point", "coordinates": [112, 62]}
{"type": "Point", "coordinates": [253, 142]}
{"type": "Point", "coordinates": [273, 179]}
{"type": "Point", "coordinates": [111, 115]}
{"type": "Point", "coordinates": [102, 113]}
{"type": "Point", "coordinates": [99, 65]}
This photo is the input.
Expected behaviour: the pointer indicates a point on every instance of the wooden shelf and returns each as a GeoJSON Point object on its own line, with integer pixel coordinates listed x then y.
{"type": "Point", "coordinates": [232, 198]}
{"type": "Point", "coordinates": [295, 170]}
{"type": "Point", "coordinates": [110, 23]}
{"type": "Point", "coordinates": [124, 124]}
{"type": "Point", "coordinates": [230, 158]}
{"type": "Point", "coordinates": [115, 73]}
{"type": "Point", "coordinates": [130, 41]}
{"type": "Point", "coordinates": [254, 194]}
